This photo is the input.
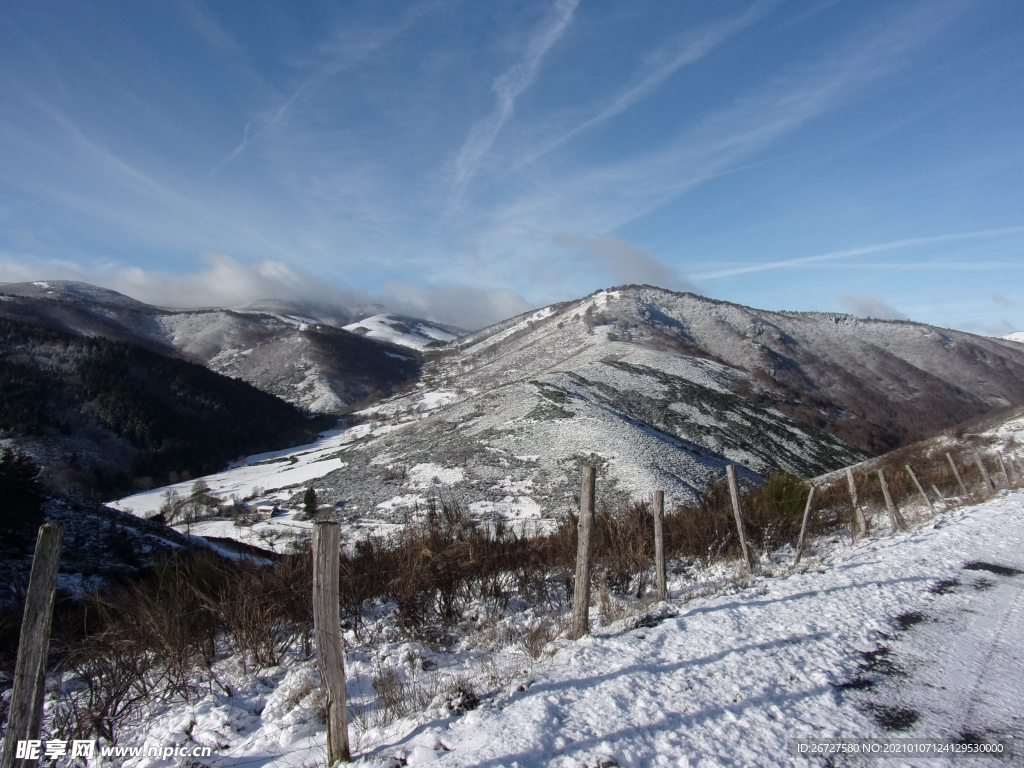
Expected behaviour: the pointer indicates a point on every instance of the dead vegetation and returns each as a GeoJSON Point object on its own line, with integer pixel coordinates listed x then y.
{"type": "Point", "coordinates": [157, 638]}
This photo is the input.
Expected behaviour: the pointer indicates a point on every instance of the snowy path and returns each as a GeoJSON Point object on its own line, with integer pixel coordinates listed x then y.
{"type": "Point", "coordinates": [729, 680]}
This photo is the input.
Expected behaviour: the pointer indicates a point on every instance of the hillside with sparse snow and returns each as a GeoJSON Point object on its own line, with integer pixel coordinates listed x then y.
{"type": "Point", "coordinates": [406, 331]}
{"type": "Point", "coordinates": [295, 352]}
{"type": "Point", "coordinates": [659, 390]}
{"type": "Point", "coordinates": [726, 672]}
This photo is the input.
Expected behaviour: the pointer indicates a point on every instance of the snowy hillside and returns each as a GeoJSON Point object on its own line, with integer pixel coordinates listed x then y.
{"type": "Point", "coordinates": [725, 673]}
{"type": "Point", "coordinates": [286, 350]}
{"type": "Point", "coordinates": [876, 383]}
{"type": "Point", "coordinates": [1016, 336]}
{"type": "Point", "coordinates": [513, 450]}
{"type": "Point", "coordinates": [406, 331]}
{"type": "Point", "coordinates": [69, 291]}
{"type": "Point", "coordinates": [658, 390]}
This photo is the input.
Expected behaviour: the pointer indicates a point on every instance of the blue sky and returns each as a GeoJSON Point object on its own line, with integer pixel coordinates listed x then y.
{"type": "Point", "coordinates": [470, 160]}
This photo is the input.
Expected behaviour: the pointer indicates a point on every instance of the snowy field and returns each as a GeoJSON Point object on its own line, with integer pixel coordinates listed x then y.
{"type": "Point", "coordinates": [918, 634]}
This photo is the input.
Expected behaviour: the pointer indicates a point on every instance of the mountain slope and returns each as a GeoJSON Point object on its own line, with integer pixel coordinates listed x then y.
{"type": "Point", "coordinates": [105, 414]}
{"type": "Point", "coordinates": [659, 390]}
{"type": "Point", "coordinates": [406, 331]}
{"type": "Point", "coordinates": [876, 383]}
{"type": "Point", "coordinates": [314, 365]}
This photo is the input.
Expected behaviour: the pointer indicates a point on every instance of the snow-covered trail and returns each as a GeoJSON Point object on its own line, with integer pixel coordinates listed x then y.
{"type": "Point", "coordinates": [731, 678]}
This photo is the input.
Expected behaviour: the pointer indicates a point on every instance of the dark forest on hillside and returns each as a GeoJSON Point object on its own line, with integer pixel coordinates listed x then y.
{"type": "Point", "coordinates": [122, 416]}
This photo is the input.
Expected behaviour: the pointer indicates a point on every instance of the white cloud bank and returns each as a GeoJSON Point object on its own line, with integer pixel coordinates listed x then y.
{"type": "Point", "coordinates": [223, 281]}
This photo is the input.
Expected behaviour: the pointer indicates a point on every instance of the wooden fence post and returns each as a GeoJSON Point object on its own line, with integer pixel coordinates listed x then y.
{"type": "Point", "coordinates": [895, 518]}
{"type": "Point", "coordinates": [910, 471]}
{"type": "Point", "coordinates": [584, 554]}
{"type": "Point", "coordinates": [25, 715]}
{"type": "Point", "coordinates": [659, 546]}
{"type": "Point", "coordinates": [1002, 466]}
{"type": "Point", "coordinates": [858, 514]}
{"type": "Point", "coordinates": [984, 471]}
{"type": "Point", "coordinates": [939, 496]}
{"type": "Point", "coordinates": [803, 529]}
{"type": "Point", "coordinates": [960, 480]}
{"type": "Point", "coordinates": [734, 493]}
{"type": "Point", "coordinates": [1015, 468]}
{"type": "Point", "coordinates": [330, 656]}
{"type": "Point", "coordinates": [1012, 466]}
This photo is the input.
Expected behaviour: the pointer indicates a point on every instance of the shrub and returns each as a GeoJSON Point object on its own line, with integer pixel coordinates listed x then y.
{"type": "Point", "coordinates": [21, 494]}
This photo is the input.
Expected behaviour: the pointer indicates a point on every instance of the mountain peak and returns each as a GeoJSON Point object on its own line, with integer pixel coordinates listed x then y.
{"type": "Point", "coordinates": [69, 290]}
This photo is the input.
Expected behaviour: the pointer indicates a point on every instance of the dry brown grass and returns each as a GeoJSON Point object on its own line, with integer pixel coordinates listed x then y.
{"type": "Point", "coordinates": [156, 637]}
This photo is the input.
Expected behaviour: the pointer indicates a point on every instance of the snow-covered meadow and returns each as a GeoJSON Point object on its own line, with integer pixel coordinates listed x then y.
{"type": "Point", "coordinates": [916, 634]}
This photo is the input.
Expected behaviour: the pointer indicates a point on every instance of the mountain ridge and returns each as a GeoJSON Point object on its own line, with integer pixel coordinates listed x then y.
{"type": "Point", "coordinates": [315, 365]}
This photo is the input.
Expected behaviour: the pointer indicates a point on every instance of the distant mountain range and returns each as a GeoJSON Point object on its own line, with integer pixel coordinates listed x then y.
{"type": "Point", "coordinates": [297, 352]}
{"type": "Point", "coordinates": [659, 388]}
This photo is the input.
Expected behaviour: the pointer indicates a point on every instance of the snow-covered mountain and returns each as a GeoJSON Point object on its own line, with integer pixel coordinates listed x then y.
{"type": "Point", "coordinates": [299, 353]}
{"type": "Point", "coordinates": [1015, 336]}
{"type": "Point", "coordinates": [406, 331]}
{"type": "Point", "coordinates": [876, 383]}
{"type": "Point", "coordinates": [68, 291]}
{"type": "Point", "coordinates": [660, 390]}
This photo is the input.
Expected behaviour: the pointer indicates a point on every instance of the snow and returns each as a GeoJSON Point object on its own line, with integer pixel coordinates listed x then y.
{"type": "Point", "coordinates": [732, 677]}
{"type": "Point", "coordinates": [425, 475]}
{"type": "Point", "coordinates": [1015, 336]}
{"type": "Point", "coordinates": [406, 332]}
{"type": "Point", "coordinates": [720, 680]}
{"type": "Point", "coordinates": [290, 468]}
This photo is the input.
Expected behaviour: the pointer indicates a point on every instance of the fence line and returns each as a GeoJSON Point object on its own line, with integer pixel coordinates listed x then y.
{"type": "Point", "coordinates": [587, 514]}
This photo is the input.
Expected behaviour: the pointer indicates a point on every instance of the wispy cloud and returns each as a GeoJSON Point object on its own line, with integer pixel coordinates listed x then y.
{"type": "Point", "coordinates": [893, 245]}
{"type": "Point", "coordinates": [508, 87]}
{"type": "Point", "coordinates": [206, 27]}
{"type": "Point", "coordinates": [604, 197]}
{"type": "Point", "coordinates": [864, 305]}
{"type": "Point", "coordinates": [660, 66]}
{"type": "Point", "coordinates": [1001, 300]}
{"type": "Point", "coordinates": [469, 308]}
{"type": "Point", "coordinates": [626, 263]}
{"type": "Point", "coordinates": [343, 50]}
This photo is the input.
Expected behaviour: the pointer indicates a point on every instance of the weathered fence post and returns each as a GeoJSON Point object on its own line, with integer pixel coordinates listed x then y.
{"type": "Point", "coordinates": [25, 715]}
{"type": "Point", "coordinates": [858, 513]}
{"type": "Point", "coordinates": [659, 546]}
{"type": "Point", "coordinates": [895, 518]}
{"type": "Point", "coordinates": [1012, 466]}
{"type": "Point", "coordinates": [734, 493]}
{"type": "Point", "coordinates": [984, 471]}
{"type": "Point", "coordinates": [584, 554]}
{"type": "Point", "coordinates": [330, 656]}
{"type": "Point", "coordinates": [910, 471]}
{"type": "Point", "coordinates": [960, 480]}
{"type": "Point", "coordinates": [1002, 466]}
{"type": "Point", "coordinates": [803, 529]}
{"type": "Point", "coordinates": [1008, 468]}
{"type": "Point", "coordinates": [939, 495]}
